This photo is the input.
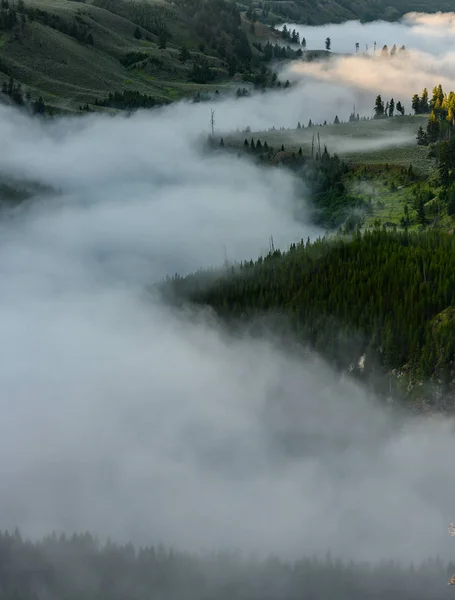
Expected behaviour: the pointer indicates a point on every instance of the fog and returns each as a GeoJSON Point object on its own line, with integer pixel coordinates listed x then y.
{"type": "Point", "coordinates": [128, 420]}
{"type": "Point", "coordinates": [429, 33]}
{"type": "Point", "coordinates": [429, 60]}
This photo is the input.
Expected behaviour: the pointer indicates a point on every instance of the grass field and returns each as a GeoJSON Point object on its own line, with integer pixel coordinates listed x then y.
{"type": "Point", "coordinates": [366, 142]}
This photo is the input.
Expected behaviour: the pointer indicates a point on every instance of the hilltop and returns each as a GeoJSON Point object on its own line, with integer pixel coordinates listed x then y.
{"type": "Point", "coordinates": [310, 12]}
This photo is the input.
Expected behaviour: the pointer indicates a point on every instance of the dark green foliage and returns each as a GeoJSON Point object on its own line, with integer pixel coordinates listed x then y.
{"type": "Point", "coordinates": [14, 91]}
{"type": "Point", "coordinates": [79, 567]}
{"type": "Point", "coordinates": [379, 109]}
{"type": "Point", "coordinates": [184, 54]}
{"type": "Point", "coordinates": [8, 16]}
{"type": "Point", "coordinates": [201, 72]}
{"type": "Point", "coordinates": [39, 108]}
{"type": "Point", "coordinates": [78, 29]}
{"type": "Point", "coordinates": [330, 198]}
{"type": "Point", "coordinates": [137, 33]}
{"type": "Point", "coordinates": [324, 175]}
{"type": "Point", "coordinates": [382, 291]}
{"type": "Point", "coordinates": [132, 58]}
{"type": "Point", "coordinates": [218, 24]}
{"type": "Point", "coordinates": [130, 100]}
{"type": "Point", "coordinates": [422, 137]}
{"type": "Point", "coordinates": [310, 12]}
{"type": "Point", "coordinates": [163, 37]}
{"type": "Point", "coordinates": [433, 129]}
{"type": "Point", "coordinates": [391, 107]}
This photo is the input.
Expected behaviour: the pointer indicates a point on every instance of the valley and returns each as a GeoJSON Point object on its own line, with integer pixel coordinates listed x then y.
{"type": "Point", "coordinates": [227, 309]}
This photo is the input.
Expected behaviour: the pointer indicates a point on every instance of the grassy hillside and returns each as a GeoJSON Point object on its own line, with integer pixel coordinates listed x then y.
{"type": "Point", "coordinates": [74, 52]}
{"type": "Point", "coordinates": [375, 181]}
{"type": "Point", "coordinates": [366, 142]}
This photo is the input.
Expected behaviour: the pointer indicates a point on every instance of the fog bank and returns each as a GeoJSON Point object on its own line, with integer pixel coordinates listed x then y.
{"type": "Point", "coordinates": [427, 62]}
{"type": "Point", "coordinates": [125, 419]}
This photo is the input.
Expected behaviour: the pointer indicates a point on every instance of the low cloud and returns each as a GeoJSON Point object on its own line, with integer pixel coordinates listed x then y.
{"type": "Point", "coordinates": [399, 77]}
{"type": "Point", "coordinates": [124, 418]}
{"type": "Point", "coordinates": [429, 61]}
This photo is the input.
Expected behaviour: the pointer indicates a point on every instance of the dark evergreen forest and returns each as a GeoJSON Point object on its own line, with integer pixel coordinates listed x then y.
{"type": "Point", "coordinates": [386, 296]}
{"type": "Point", "coordinates": [78, 567]}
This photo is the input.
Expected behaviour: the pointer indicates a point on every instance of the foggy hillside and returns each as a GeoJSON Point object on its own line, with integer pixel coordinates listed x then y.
{"type": "Point", "coordinates": [145, 424]}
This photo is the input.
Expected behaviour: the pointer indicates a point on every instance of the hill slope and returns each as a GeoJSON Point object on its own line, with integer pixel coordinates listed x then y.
{"type": "Point", "coordinates": [72, 52]}
{"type": "Point", "coordinates": [312, 12]}
{"type": "Point", "coordinates": [382, 298]}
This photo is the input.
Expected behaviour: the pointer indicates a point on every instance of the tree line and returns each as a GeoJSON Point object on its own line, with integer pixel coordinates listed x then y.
{"type": "Point", "coordinates": [387, 109]}
{"type": "Point", "coordinates": [386, 296]}
{"type": "Point", "coordinates": [14, 91]}
{"type": "Point", "coordinates": [130, 100]}
{"type": "Point", "coordinates": [322, 172]}
{"type": "Point", "coordinates": [79, 566]}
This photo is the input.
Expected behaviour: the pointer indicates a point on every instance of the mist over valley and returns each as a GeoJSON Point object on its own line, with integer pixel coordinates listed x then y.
{"type": "Point", "coordinates": [227, 319]}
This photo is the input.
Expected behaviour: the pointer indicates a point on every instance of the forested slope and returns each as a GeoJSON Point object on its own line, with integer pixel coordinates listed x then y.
{"type": "Point", "coordinates": [383, 298]}
{"type": "Point", "coordinates": [71, 568]}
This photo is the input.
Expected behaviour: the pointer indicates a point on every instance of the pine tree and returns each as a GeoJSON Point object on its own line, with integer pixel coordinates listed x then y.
{"type": "Point", "coordinates": [422, 138]}
{"type": "Point", "coordinates": [424, 104]}
{"type": "Point", "coordinates": [137, 33]}
{"type": "Point", "coordinates": [391, 107]}
{"type": "Point", "coordinates": [379, 108]}
{"type": "Point", "coordinates": [433, 128]}
{"type": "Point", "coordinates": [421, 216]}
{"type": "Point", "coordinates": [163, 40]}
{"type": "Point", "coordinates": [416, 104]}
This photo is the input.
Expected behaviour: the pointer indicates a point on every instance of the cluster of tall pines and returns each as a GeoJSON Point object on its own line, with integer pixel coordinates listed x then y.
{"type": "Point", "coordinates": [441, 110]}
{"type": "Point", "coordinates": [385, 297]}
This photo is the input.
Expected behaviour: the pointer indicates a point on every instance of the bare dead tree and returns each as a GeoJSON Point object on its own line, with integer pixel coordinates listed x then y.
{"type": "Point", "coordinates": [271, 245]}
{"type": "Point", "coordinates": [212, 123]}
